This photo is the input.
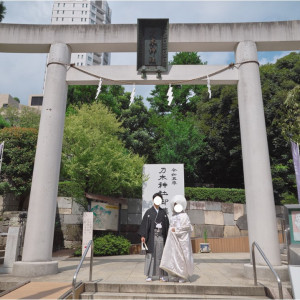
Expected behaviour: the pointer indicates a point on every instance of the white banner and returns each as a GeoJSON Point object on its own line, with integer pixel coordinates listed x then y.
{"type": "Point", "coordinates": [168, 179]}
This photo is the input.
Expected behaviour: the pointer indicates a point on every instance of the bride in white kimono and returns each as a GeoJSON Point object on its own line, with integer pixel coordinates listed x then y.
{"type": "Point", "coordinates": [177, 258]}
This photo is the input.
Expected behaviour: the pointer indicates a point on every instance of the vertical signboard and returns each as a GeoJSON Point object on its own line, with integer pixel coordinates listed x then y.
{"type": "Point", "coordinates": [168, 179]}
{"type": "Point", "coordinates": [292, 212]}
{"type": "Point", "coordinates": [87, 231]}
{"type": "Point", "coordinates": [152, 45]}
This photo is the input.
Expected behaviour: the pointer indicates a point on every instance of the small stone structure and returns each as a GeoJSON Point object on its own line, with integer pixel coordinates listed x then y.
{"type": "Point", "coordinates": [220, 220]}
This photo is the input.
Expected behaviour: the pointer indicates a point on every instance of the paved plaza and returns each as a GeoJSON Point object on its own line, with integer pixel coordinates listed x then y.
{"type": "Point", "coordinates": [216, 269]}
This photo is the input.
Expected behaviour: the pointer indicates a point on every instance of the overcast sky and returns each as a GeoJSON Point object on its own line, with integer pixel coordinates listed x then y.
{"type": "Point", "coordinates": [23, 74]}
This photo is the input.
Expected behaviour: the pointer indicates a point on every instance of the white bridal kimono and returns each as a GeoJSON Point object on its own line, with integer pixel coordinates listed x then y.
{"type": "Point", "coordinates": [177, 258]}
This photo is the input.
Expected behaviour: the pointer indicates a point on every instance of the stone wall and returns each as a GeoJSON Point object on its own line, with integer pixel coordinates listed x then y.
{"type": "Point", "coordinates": [222, 219]}
{"type": "Point", "coordinates": [218, 219]}
{"type": "Point", "coordinates": [8, 203]}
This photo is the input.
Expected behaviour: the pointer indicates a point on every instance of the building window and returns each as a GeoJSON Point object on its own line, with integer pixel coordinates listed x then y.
{"type": "Point", "coordinates": [81, 19]}
{"type": "Point", "coordinates": [56, 19]}
{"type": "Point", "coordinates": [73, 4]}
{"type": "Point", "coordinates": [82, 5]}
{"type": "Point", "coordinates": [78, 56]}
{"type": "Point", "coordinates": [82, 64]}
{"type": "Point", "coordinates": [36, 100]}
{"type": "Point", "coordinates": [73, 12]}
{"type": "Point", "coordinates": [89, 58]}
{"type": "Point", "coordinates": [85, 12]}
{"type": "Point", "coordinates": [63, 11]}
{"type": "Point", "coordinates": [58, 12]}
{"type": "Point", "coordinates": [82, 56]}
{"type": "Point", "coordinates": [85, 19]}
{"type": "Point", "coordinates": [64, 4]}
{"type": "Point", "coordinates": [86, 5]}
{"type": "Point", "coordinates": [58, 4]}
{"type": "Point", "coordinates": [72, 19]}
{"type": "Point", "coordinates": [62, 19]}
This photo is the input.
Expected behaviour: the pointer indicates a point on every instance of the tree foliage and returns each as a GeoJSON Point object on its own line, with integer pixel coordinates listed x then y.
{"type": "Point", "coordinates": [95, 158]}
{"type": "Point", "coordinates": [137, 134]}
{"type": "Point", "coordinates": [112, 96]}
{"type": "Point", "coordinates": [18, 160]}
{"type": "Point", "coordinates": [179, 141]}
{"type": "Point", "coordinates": [278, 80]}
{"type": "Point", "coordinates": [2, 11]}
{"type": "Point", "coordinates": [289, 116]}
{"type": "Point", "coordinates": [218, 120]}
{"type": "Point", "coordinates": [185, 96]}
{"type": "Point", "coordinates": [3, 123]}
{"type": "Point", "coordinates": [27, 117]}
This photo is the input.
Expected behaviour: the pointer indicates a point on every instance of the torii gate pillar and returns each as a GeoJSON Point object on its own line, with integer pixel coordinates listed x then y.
{"type": "Point", "coordinates": [37, 252]}
{"type": "Point", "coordinates": [261, 216]}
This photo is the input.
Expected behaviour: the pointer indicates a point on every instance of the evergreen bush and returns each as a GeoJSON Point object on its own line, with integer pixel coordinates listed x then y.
{"type": "Point", "coordinates": [215, 194]}
{"type": "Point", "coordinates": [109, 245]}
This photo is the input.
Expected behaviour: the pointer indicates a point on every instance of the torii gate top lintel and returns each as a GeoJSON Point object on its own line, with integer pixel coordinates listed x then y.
{"type": "Point", "coordinates": [211, 37]}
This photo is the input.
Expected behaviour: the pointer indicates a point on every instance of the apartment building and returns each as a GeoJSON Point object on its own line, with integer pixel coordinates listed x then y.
{"type": "Point", "coordinates": [83, 12]}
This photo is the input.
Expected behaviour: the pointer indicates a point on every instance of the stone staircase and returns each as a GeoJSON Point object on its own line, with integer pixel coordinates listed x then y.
{"type": "Point", "coordinates": [283, 254]}
{"type": "Point", "coordinates": [168, 290]}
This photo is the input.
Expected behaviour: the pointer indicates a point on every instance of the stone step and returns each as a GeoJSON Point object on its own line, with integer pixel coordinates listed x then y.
{"type": "Point", "coordinates": [283, 251]}
{"type": "Point", "coordinates": [175, 289]}
{"type": "Point", "coordinates": [283, 257]}
{"type": "Point", "coordinates": [152, 296]}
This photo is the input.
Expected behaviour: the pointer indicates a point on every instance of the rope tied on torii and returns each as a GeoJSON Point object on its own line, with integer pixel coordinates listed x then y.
{"type": "Point", "coordinates": [169, 94]}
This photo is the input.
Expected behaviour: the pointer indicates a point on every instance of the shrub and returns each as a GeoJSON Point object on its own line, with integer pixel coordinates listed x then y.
{"type": "Point", "coordinates": [111, 245]}
{"type": "Point", "coordinates": [215, 194]}
{"type": "Point", "coordinates": [108, 245]}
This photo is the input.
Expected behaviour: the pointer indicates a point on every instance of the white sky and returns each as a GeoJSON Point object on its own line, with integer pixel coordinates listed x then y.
{"type": "Point", "coordinates": [23, 74]}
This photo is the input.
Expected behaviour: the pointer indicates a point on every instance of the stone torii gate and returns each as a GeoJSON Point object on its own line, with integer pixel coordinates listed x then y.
{"type": "Point", "coordinates": [245, 39]}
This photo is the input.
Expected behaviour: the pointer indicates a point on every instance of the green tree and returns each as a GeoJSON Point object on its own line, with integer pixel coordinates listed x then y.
{"type": "Point", "coordinates": [112, 96]}
{"type": "Point", "coordinates": [289, 116]}
{"type": "Point", "coordinates": [2, 10]}
{"type": "Point", "coordinates": [137, 134]}
{"type": "Point", "coordinates": [26, 117]}
{"type": "Point", "coordinates": [185, 96]}
{"type": "Point", "coordinates": [218, 121]}
{"type": "Point", "coordinates": [3, 123]}
{"type": "Point", "coordinates": [278, 80]}
{"type": "Point", "coordinates": [18, 160]}
{"type": "Point", "coordinates": [180, 142]}
{"type": "Point", "coordinates": [95, 158]}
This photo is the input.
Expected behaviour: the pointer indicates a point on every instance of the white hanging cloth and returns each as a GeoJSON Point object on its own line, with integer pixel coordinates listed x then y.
{"type": "Point", "coordinates": [132, 95]}
{"type": "Point", "coordinates": [208, 87]}
{"type": "Point", "coordinates": [170, 94]}
{"type": "Point", "coordinates": [99, 88]}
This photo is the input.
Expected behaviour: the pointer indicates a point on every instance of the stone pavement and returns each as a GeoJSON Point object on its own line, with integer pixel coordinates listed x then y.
{"type": "Point", "coordinates": [221, 269]}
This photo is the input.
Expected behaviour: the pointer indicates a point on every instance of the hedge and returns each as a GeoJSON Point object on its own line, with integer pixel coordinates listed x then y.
{"type": "Point", "coordinates": [108, 245]}
{"type": "Point", "coordinates": [215, 194]}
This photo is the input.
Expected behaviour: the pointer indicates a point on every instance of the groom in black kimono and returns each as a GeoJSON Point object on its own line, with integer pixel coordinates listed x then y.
{"type": "Point", "coordinates": [153, 232]}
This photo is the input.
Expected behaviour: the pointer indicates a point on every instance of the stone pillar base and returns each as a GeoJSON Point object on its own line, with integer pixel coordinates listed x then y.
{"type": "Point", "coordinates": [264, 273]}
{"type": "Point", "coordinates": [34, 269]}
